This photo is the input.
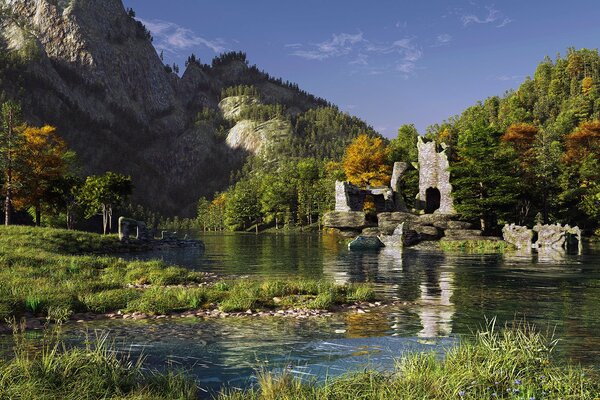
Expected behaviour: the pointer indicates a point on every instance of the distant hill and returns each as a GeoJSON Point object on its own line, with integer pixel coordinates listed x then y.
{"type": "Point", "coordinates": [89, 68]}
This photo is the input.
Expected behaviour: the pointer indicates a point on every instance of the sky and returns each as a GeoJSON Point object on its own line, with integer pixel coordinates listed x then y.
{"type": "Point", "coordinates": [387, 62]}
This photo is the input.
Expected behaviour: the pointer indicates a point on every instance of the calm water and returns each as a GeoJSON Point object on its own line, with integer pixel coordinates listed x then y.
{"type": "Point", "coordinates": [446, 294]}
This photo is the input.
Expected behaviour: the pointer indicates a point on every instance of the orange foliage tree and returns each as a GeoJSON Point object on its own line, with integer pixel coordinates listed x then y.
{"type": "Point", "coordinates": [584, 141]}
{"type": "Point", "coordinates": [365, 162]}
{"type": "Point", "coordinates": [522, 137]}
{"type": "Point", "coordinates": [44, 156]}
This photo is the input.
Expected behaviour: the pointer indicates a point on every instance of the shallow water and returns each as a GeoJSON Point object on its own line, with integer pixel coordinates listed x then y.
{"type": "Point", "coordinates": [446, 295]}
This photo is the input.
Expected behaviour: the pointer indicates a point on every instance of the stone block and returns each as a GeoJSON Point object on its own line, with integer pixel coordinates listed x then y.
{"type": "Point", "coordinates": [427, 232]}
{"type": "Point", "coordinates": [345, 220]}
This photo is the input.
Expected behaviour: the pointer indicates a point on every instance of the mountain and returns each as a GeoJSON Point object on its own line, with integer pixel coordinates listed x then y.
{"type": "Point", "coordinates": [89, 68]}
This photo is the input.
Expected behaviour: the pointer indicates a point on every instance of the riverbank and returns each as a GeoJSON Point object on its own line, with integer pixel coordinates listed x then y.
{"type": "Point", "coordinates": [57, 275]}
{"type": "Point", "coordinates": [516, 362]}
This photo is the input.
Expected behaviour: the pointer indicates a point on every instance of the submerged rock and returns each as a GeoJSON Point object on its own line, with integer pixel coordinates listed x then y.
{"type": "Point", "coordinates": [365, 243]}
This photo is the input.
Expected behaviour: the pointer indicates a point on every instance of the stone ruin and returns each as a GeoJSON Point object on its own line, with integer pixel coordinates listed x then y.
{"type": "Point", "coordinates": [549, 237]}
{"type": "Point", "coordinates": [128, 225]}
{"type": "Point", "coordinates": [435, 190]}
{"type": "Point", "coordinates": [395, 225]}
{"type": "Point", "coordinates": [144, 238]}
{"type": "Point", "coordinates": [349, 197]}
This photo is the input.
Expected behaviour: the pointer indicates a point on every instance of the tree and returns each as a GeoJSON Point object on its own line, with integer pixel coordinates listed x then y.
{"type": "Point", "coordinates": [103, 192]}
{"type": "Point", "coordinates": [485, 179]}
{"type": "Point", "coordinates": [365, 162]}
{"type": "Point", "coordinates": [243, 207]}
{"type": "Point", "coordinates": [10, 141]}
{"type": "Point", "coordinates": [63, 197]}
{"type": "Point", "coordinates": [44, 158]}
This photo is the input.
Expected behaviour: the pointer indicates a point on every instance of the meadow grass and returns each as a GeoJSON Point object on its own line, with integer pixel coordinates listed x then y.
{"type": "Point", "coordinates": [43, 269]}
{"type": "Point", "coordinates": [513, 363]}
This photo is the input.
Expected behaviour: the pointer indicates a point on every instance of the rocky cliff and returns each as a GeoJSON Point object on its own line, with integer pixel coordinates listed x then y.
{"type": "Point", "coordinates": [90, 69]}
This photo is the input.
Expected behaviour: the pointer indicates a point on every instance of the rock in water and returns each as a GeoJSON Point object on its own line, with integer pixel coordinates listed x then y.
{"type": "Point", "coordinates": [365, 243]}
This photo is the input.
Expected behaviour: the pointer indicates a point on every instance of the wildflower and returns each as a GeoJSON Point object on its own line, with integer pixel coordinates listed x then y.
{"type": "Point", "coordinates": [518, 381]}
{"type": "Point", "coordinates": [461, 393]}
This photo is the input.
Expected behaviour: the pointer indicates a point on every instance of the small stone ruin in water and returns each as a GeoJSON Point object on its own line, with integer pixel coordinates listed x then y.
{"type": "Point", "coordinates": [145, 238]}
{"type": "Point", "coordinates": [549, 237]}
{"type": "Point", "coordinates": [395, 225]}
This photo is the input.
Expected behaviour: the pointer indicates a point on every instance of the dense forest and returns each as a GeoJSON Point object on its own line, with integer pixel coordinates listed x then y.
{"type": "Point", "coordinates": [530, 156]}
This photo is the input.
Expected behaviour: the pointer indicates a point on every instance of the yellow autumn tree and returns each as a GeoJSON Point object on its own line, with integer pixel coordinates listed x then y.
{"type": "Point", "coordinates": [365, 162]}
{"type": "Point", "coordinates": [44, 157]}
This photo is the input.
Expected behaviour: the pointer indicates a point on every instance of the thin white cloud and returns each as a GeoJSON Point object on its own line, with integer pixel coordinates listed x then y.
{"type": "Point", "coordinates": [361, 59]}
{"type": "Point", "coordinates": [373, 58]}
{"type": "Point", "coordinates": [504, 22]}
{"type": "Point", "coordinates": [174, 38]}
{"type": "Point", "coordinates": [443, 39]}
{"type": "Point", "coordinates": [493, 16]}
{"type": "Point", "coordinates": [339, 45]}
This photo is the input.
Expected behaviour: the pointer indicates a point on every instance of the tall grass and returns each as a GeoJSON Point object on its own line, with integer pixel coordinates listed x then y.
{"type": "Point", "coordinates": [51, 370]}
{"type": "Point", "coordinates": [513, 363]}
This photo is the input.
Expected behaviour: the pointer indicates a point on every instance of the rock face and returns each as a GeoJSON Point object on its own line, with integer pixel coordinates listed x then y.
{"type": "Point", "coordinates": [91, 70]}
{"type": "Point", "coordinates": [435, 190]}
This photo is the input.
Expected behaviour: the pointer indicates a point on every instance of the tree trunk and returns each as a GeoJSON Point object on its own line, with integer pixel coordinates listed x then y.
{"type": "Point", "coordinates": [104, 218]}
{"type": "Point", "coordinates": [276, 224]}
{"type": "Point", "coordinates": [9, 171]}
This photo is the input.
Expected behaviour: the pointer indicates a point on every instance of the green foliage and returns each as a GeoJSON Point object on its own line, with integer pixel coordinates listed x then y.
{"type": "Point", "coordinates": [484, 177]}
{"type": "Point", "coordinates": [102, 192]}
{"type": "Point", "coordinates": [240, 90]}
{"type": "Point", "coordinates": [560, 98]}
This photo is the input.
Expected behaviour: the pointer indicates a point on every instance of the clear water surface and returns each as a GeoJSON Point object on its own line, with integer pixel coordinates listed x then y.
{"type": "Point", "coordinates": [446, 295]}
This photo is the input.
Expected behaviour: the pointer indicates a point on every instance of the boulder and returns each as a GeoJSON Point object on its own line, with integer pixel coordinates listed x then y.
{"type": "Point", "coordinates": [519, 236]}
{"type": "Point", "coordinates": [388, 221]}
{"type": "Point", "coordinates": [427, 232]}
{"type": "Point", "coordinates": [459, 225]}
{"type": "Point", "coordinates": [345, 220]}
{"type": "Point", "coordinates": [365, 243]}
{"type": "Point", "coordinates": [432, 219]}
{"type": "Point", "coordinates": [372, 231]}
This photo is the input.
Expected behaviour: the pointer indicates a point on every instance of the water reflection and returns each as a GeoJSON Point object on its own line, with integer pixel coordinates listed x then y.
{"type": "Point", "coordinates": [439, 294]}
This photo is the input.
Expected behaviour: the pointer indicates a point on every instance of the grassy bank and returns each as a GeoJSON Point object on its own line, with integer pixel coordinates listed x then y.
{"type": "Point", "coordinates": [46, 271]}
{"type": "Point", "coordinates": [515, 363]}
{"type": "Point", "coordinates": [48, 370]}
{"type": "Point", "coordinates": [476, 246]}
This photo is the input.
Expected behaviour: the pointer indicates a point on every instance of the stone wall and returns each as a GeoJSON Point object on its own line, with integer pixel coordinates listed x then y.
{"type": "Point", "coordinates": [434, 173]}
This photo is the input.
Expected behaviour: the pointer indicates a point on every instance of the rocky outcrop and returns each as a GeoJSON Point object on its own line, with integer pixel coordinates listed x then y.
{"type": "Point", "coordinates": [91, 70]}
{"type": "Point", "coordinates": [388, 222]}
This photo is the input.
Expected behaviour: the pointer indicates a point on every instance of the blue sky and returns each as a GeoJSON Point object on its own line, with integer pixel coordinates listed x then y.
{"type": "Point", "coordinates": [388, 62]}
